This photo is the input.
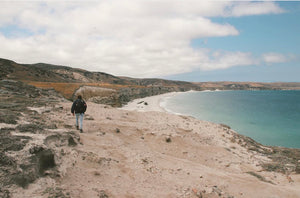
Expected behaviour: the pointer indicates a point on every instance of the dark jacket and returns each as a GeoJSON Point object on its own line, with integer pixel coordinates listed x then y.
{"type": "Point", "coordinates": [77, 108]}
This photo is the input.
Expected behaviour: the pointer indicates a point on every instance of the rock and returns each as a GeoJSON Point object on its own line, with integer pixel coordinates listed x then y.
{"type": "Point", "coordinates": [225, 126]}
{"type": "Point", "coordinates": [32, 167]}
{"type": "Point", "coordinates": [51, 126]}
{"type": "Point", "coordinates": [64, 139]}
{"type": "Point", "coordinates": [22, 179]}
{"type": "Point", "coordinates": [96, 173]}
{"type": "Point", "coordinates": [197, 193]}
{"type": "Point", "coordinates": [217, 190]}
{"type": "Point", "coordinates": [4, 193]}
{"type": "Point", "coordinates": [11, 143]}
{"type": "Point", "coordinates": [56, 192]}
{"type": "Point", "coordinates": [54, 140]}
{"type": "Point", "coordinates": [89, 118]}
{"type": "Point", "coordinates": [102, 194]}
{"type": "Point", "coordinates": [20, 163]}
{"type": "Point", "coordinates": [6, 161]}
{"type": "Point", "coordinates": [33, 128]}
{"type": "Point", "coordinates": [8, 117]}
{"type": "Point", "coordinates": [71, 141]}
{"type": "Point", "coordinates": [36, 149]}
{"type": "Point", "coordinates": [101, 134]}
{"type": "Point", "coordinates": [45, 160]}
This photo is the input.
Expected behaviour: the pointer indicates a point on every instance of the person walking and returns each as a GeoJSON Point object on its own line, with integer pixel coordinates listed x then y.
{"type": "Point", "coordinates": [78, 108]}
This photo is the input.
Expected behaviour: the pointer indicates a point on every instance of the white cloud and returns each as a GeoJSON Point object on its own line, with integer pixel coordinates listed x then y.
{"type": "Point", "coordinates": [139, 38]}
{"type": "Point", "coordinates": [224, 60]}
{"type": "Point", "coordinates": [254, 8]}
{"type": "Point", "coordinates": [270, 58]}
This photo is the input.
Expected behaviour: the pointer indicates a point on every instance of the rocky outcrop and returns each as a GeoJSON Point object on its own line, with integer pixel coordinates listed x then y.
{"type": "Point", "coordinates": [125, 95]}
{"type": "Point", "coordinates": [30, 146]}
{"type": "Point", "coordinates": [284, 160]}
{"type": "Point", "coordinates": [93, 93]}
{"type": "Point", "coordinates": [122, 96]}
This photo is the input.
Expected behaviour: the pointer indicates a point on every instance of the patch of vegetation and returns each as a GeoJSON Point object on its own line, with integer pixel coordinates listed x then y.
{"type": "Point", "coordinates": [33, 128]}
{"type": "Point", "coordinates": [168, 140]}
{"type": "Point", "coordinates": [56, 192]}
{"type": "Point", "coordinates": [11, 143]}
{"type": "Point", "coordinates": [8, 117]}
{"type": "Point", "coordinates": [71, 141]}
{"type": "Point", "coordinates": [261, 178]}
{"type": "Point", "coordinates": [4, 193]}
{"type": "Point", "coordinates": [102, 194]}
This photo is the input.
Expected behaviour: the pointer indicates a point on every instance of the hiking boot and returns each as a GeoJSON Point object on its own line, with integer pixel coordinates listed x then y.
{"type": "Point", "coordinates": [81, 131]}
{"type": "Point", "coordinates": [77, 127]}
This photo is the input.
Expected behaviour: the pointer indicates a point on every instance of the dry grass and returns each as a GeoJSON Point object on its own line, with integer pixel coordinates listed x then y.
{"type": "Point", "coordinates": [66, 89]}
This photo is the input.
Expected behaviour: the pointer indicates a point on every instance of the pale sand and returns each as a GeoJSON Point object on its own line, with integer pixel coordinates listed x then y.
{"type": "Point", "coordinates": [154, 103]}
{"type": "Point", "coordinates": [151, 103]}
{"type": "Point", "coordinates": [138, 161]}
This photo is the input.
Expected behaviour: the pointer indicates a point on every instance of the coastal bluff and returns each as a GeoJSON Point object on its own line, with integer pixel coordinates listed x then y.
{"type": "Point", "coordinates": [69, 81]}
{"type": "Point", "coordinates": [130, 153]}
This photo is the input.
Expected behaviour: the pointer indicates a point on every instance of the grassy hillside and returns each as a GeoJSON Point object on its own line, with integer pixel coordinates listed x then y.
{"type": "Point", "coordinates": [66, 80]}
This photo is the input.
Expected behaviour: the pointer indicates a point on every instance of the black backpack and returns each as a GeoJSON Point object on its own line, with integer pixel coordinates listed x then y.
{"type": "Point", "coordinates": [80, 106]}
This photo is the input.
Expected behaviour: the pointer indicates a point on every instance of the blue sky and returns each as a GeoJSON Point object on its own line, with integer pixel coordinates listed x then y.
{"type": "Point", "coordinates": [276, 33]}
{"type": "Point", "coordinates": [187, 40]}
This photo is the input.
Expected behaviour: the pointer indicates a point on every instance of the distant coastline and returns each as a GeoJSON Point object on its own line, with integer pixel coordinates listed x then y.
{"type": "Point", "coordinates": [67, 81]}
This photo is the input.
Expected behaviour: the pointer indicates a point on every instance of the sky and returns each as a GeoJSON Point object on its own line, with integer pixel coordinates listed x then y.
{"type": "Point", "coordinates": [190, 40]}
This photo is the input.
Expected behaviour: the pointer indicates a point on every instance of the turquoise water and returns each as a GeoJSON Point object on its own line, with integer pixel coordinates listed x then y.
{"type": "Point", "coordinates": [269, 117]}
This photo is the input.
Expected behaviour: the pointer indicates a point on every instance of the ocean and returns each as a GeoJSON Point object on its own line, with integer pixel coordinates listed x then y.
{"type": "Point", "coordinates": [270, 117]}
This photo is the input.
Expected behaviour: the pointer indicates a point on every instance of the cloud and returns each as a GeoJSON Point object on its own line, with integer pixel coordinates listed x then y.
{"type": "Point", "coordinates": [254, 8]}
{"type": "Point", "coordinates": [270, 58]}
{"type": "Point", "coordinates": [224, 60]}
{"type": "Point", "coordinates": [138, 38]}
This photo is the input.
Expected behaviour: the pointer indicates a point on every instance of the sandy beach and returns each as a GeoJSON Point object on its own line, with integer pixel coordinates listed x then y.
{"type": "Point", "coordinates": [152, 103]}
{"type": "Point", "coordinates": [148, 104]}
{"type": "Point", "coordinates": [141, 151]}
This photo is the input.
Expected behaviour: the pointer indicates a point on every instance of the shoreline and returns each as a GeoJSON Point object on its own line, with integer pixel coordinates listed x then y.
{"type": "Point", "coordinates": [158, 103]}
{"type": "Point", "coordinates": [151, 103]}
{"type": "Point", "coordinates": [154, 154]}
{"type": "Point", "coordinates": [154, 103]}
